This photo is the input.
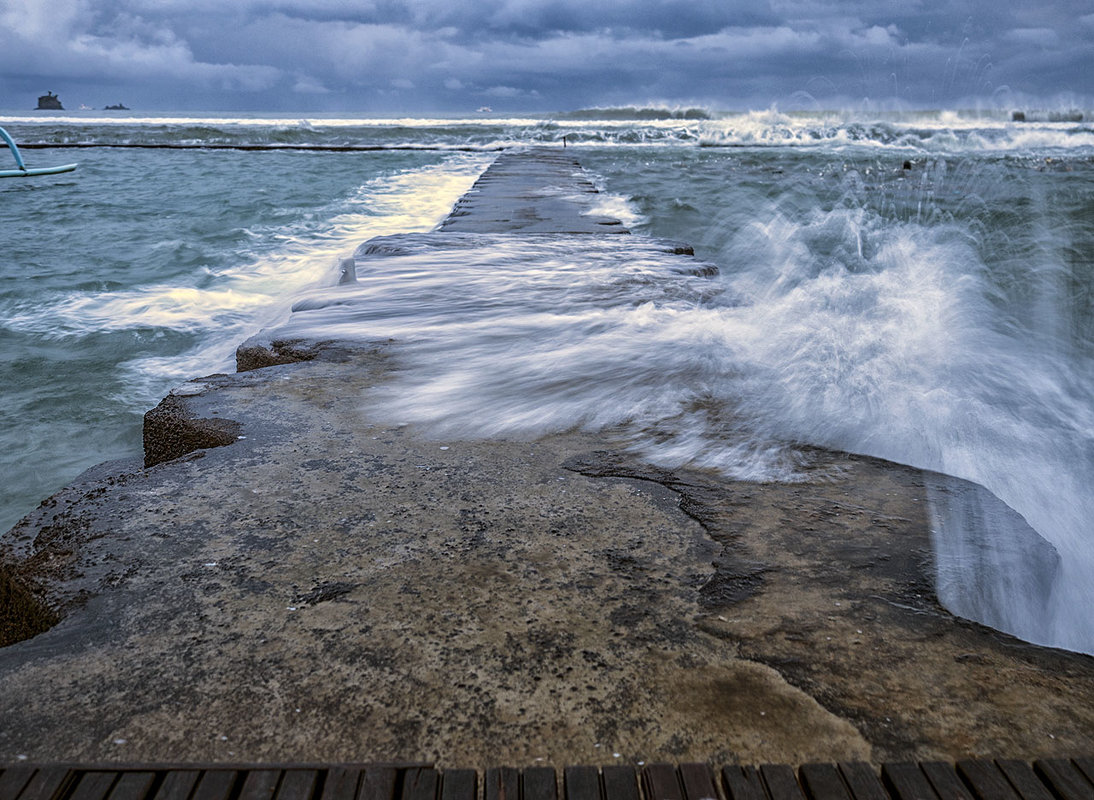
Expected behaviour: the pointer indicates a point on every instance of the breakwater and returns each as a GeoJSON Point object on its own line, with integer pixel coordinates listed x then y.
{"type": "Point", "coordinates": [374, 587]}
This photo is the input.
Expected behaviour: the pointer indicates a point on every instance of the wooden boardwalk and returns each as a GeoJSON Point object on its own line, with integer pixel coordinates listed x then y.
{"type": "Point", "coordinates": [1049, 779]}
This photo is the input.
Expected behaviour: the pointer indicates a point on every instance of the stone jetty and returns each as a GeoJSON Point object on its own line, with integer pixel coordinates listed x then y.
{"type": "Point", "coordinates": [282, 578]}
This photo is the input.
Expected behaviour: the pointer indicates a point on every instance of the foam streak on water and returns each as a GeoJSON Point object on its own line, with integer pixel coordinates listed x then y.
{"type": "Point", "coordinates": [233, 303]}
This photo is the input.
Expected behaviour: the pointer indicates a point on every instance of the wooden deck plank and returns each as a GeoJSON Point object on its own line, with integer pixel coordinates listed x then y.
{"type": "Point", "coordinates": [13, 780]}
{"type": "Point", "coordinates": [215, 784]}
{"type": "Point", "coordinates": [906, 781]}
{"type": "Point", "coordinates": [987, 782]}
{"type": "Point", "coordinates": [501, 783]}
{"type": "Point", "coordinates": [742, 783]}
{"type": "Point", "coordinates": [781, 782]}
{"type": "Point", "coordinates": [48, 783]}
{"type": "Point", "coordinates": [298, 784]}
{"type": "Point", "coordinates": [135, 785]}
{"type": "Point", "coordinates": [659, 782]}
{"type": "Point", "coordinates": [538, 783]}
{"type": "Point", "coordinates": [620, 782]}
{"type": "Point", "coordinates": [698, 782]}
{"type": "Point", "coordinates": [1064, 779]}
{"type": "Point", "coordinates": [341, 783]}
{"type": "Point", "coordinates": [1024, 780]}
{"type": "Point", "coordinates": [378, 783]}
{"type": "Point", "coordinates": [974, 779]}
{"type": "Point", "coordinates": [459, 784]}
{"type": "Point", "coordinates": [93, 785]}
{"type": "Point", "coordinates": [420, 783]}
{"type": "Point", "coordinates": [862, 781]}
{"type": "Point", "coordinates": [581, 783]}
{"type": "Point", "coordinates": [1086, 766]}
{"type": "Point", "coordinates": [260, 784]}
{"type": "Point", "coordinates": [178, 784]}
{"type": "Point", "coordinates": [823, 782]}
{"type": "Point", "coordinates": [945, 781]}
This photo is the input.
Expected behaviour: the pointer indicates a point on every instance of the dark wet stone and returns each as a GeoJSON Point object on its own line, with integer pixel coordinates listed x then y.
{"type": "Point", "coordinates": [171, 431]}
{"type": "Point", "coordinates": [22, 615]}
{"type": "Point", "coordinates": [325, 592]}
{"type": "Point", "coordinates": [256, 353]}
{"type": "Point", "coordinates": [530, 192]}
{"type": "Point", "coordinates": [732, 582]}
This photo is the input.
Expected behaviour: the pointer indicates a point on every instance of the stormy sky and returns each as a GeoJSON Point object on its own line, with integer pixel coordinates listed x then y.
{"type": "Point", "coordinates": [416, 56]}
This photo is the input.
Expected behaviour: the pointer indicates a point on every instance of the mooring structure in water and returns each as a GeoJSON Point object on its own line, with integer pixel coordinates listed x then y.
{"type": "Point", "coordinates": [21, 169]}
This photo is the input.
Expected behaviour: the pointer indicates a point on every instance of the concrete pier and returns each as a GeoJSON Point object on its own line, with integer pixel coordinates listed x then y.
{"type": "Point", "coordinates": [283, 578]}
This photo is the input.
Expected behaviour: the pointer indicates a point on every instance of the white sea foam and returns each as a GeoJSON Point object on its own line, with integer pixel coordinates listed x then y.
{"type": "Point", "coordinates": [225, 306]}
{"type": "Point", "coordinates": [616, 206]}
{"type": "Point", "coordinates": [944, 134]}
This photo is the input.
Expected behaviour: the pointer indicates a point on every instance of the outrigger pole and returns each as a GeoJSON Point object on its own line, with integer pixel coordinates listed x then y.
{"type": "Point", "coordinates": [22, 170]}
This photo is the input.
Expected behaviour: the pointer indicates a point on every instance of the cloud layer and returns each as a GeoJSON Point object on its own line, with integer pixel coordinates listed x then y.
{"type": "Point", "coordinates": [387, 56]}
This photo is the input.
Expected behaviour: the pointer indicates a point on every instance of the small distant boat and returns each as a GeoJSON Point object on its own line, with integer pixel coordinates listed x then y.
{"type": "Point", "coordinates": [22, 170]}
{"type": "Point", "coordinates": [485, 109]}
{"type": "Point", "coordinates": [50, 102]}
{"type": "Point", "coordinates": [118, 107]}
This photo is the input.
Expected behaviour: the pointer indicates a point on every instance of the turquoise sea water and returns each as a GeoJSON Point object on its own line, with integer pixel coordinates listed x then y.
{"type": "Point", "coordinates": [916, 287]}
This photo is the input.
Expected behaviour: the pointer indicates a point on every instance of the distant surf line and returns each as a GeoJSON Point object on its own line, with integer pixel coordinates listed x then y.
{"type": "Point", "coordinates": [334, 148]}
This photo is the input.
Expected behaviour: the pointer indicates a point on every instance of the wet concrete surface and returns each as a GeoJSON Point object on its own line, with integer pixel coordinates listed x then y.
{"type": "Point", "coordinates": [517, 195]}
{"type": "Point", "coordinates": [314, 586]}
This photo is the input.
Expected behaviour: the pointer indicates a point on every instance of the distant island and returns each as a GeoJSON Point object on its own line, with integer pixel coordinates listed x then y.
{"type": "Point", "coordinates": [50, 102]}
{"type": "Point", "coordinates": [1071, 115]}
{"type": "Point", "coordinates": [118, 107]}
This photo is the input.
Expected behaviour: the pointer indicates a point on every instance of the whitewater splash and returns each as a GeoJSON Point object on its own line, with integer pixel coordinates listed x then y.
{"type": "Point", "coordinates": [937, 133]}
{"type": "Point", "coordinates": [886, 338]}
{"type": "Point", "coordinates": [225, 305]}
{"type": "Point", "coordinates": [942, 134]}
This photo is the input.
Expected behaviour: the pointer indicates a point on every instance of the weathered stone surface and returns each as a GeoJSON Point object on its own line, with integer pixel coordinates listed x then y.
{"type": "Point", "coordinates": [474, 602]}
{"type": "Point", "coordinates": [458, 601]}
{"type": "Point", "coordinates": [530, 195]}
{"type": "Point", "coordinates": [830, 583]}
{"type": "Point", "coordinates": [172, 430]}
{"type": "Point", "coordinates": [266, 351]}
{"type": "Point", "coordinates": [22, 615]}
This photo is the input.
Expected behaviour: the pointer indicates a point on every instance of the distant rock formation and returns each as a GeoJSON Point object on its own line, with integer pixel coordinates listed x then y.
{"type": "Point", "coordinates": [1071, 115]}
{"type": "Point", "coordinates": [117, 107]}
{"type": "Point", "coordinates": [50, 102]}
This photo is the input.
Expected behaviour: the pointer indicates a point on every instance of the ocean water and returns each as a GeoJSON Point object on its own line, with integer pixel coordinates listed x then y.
{"type": "Point", "coordinates": [918, 287]}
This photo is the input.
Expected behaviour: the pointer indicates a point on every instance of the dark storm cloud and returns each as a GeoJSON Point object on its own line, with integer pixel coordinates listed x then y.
{"type": "Point", "coordinates": [536, 55]}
